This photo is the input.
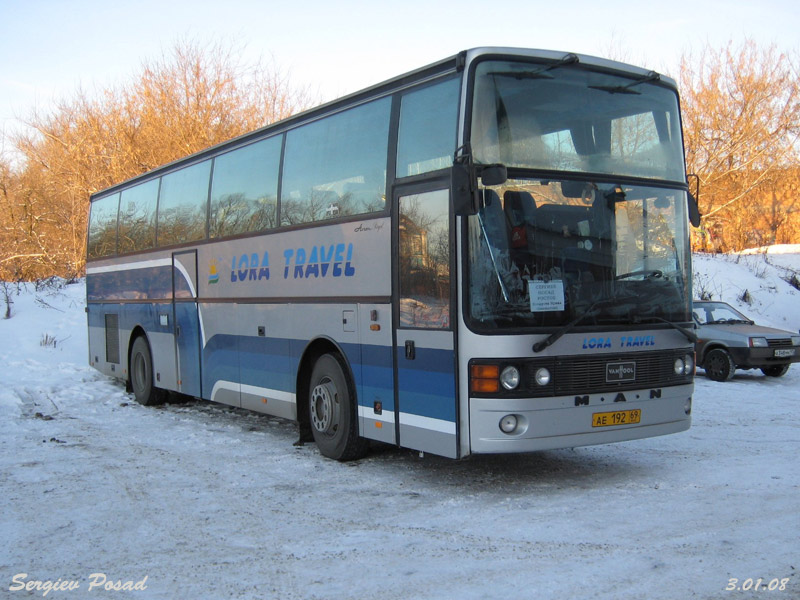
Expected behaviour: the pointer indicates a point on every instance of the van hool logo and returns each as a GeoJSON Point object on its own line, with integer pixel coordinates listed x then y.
{"type": "Point", "coordinates": [624, 371]}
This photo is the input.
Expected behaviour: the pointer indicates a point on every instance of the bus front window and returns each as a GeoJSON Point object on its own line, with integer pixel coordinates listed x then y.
{"type": "Point", "coordinates": [572, 119]}
{"type": "Point", "coordinates": [543, 253]}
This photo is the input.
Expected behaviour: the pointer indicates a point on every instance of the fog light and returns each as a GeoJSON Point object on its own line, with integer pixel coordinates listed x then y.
{"type": "Point", "coordinates": [687, 407]}
{"type": "Point", "coordinates": [508, 424]}
{"type": "Point", "coordinates": [679, 366]}
{"type": "Point", "coordinates": [510, 378]}
{"type": "Point", "coordinates": [688, 368]}
{"type": "Point", "coordinates": [542, 376]}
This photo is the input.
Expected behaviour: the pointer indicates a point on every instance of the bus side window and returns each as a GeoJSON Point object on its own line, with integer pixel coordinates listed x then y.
{"type": "Point", "coordinates": [103, 227]}
{"type": "Point", "coordinates": [182, 205]}
{"type": "Point", "coordinates": [336, 167]}
{"type": "Point", "coordinates": [427, 136]}
{"type": "Point", "coordinates": [137, 217]}
{"type": "Point", "coordinates": [244, 189]}
{"type": "Point", "coordinates": [425, 260]}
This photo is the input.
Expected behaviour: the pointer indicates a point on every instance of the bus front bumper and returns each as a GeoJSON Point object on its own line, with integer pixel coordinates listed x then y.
{"type": "Point", "coordinates": [566, 422]}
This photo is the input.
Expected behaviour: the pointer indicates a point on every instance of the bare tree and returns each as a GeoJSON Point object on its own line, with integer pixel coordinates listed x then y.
{"type": "Point", "coordinates": [187, 100]}
{"type": "Point", "coordinates": [741, 120]}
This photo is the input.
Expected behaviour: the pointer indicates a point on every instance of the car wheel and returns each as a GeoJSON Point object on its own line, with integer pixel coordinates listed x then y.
{"type": "Point", "coordinates": [775, 371]}
{"type": "Point", "coordinates": [719, 365]}
{"type": "Point", "coordinates": [332, 411]}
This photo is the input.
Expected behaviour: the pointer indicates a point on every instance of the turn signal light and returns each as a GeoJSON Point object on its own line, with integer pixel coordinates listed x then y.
{"type": "Point", "coordinates": [484, 379]}
{"type": "Point", "coordinates": [485, 371]}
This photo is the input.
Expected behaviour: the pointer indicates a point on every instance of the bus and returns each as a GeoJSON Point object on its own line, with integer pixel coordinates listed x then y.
{"type": "Point", "coordinates": [489, 254]}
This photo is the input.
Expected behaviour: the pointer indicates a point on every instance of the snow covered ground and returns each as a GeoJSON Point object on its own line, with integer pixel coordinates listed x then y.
{"type": "Point", "coordinates": [205, 501]}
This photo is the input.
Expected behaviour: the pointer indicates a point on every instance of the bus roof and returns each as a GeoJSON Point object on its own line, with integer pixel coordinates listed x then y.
{"type": "Point", "coordinates": [450, 64]}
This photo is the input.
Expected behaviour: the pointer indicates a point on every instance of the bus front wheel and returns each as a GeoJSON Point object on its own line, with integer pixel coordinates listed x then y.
{"type": "Point", "coordinates": [141, 373]}
{"type": "Point", "coordinates": [332, 411]}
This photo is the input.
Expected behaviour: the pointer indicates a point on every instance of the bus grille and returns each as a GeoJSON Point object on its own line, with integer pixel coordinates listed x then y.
{"type": "Point", "coordinates": [587, 375]}
{"type": "Point", "coordinates": [593, 374]}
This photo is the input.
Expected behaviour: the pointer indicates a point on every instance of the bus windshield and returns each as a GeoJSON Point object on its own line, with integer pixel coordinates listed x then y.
{"type": "Point", "coordinates": [568, 118]}
{"type": "Point", "coordinates": [543, 253]}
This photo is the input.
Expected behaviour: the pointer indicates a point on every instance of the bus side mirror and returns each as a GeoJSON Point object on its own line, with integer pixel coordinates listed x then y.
{"type": "Point", "coordinates": [464, 187]}
{"type": "Point", "coordinates": [694, 211]}
{"type": "Point", "coordinates": [694, 207]}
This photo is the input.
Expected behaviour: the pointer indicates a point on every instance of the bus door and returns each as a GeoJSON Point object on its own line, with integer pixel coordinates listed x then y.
{"type": "Point", "coordinates": [426, 410]}
{"type": "Point", "coordinates": [187, 322]}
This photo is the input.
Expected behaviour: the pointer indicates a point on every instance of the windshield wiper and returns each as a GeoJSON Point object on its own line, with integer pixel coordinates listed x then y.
{"type": "Point", "coordinates": [494, 261]}
{"type": "Point", "coordinates": [541, 73]}
{"type": "Point", "coordinates": [553, 337]}
{"type": "Point", "coordinates": [690, 335]}
{"type": "Point", "coordinates": [590, 312]}
{"type": "Point", "coordinates": [730, 322]}
{"type": "Point", "coordinates": [626, 89]}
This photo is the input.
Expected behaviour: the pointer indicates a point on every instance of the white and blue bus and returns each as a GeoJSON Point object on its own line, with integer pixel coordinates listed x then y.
{"type": "Point", "coordinates": [487, 255]}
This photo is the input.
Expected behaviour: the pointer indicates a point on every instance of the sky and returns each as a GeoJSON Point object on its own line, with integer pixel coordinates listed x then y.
{"type": "Point", "coordinates": [49, 48]}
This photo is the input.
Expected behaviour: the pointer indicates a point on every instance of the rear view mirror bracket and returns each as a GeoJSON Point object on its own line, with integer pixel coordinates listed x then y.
{"type": "Point", "coordinates": [464, 181]}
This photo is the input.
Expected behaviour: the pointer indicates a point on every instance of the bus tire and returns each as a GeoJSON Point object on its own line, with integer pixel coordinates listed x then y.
{"type": "Point", "coordinates": [141, 374]}
{"type": "Point", "coordinates": [332, 411]}
{"type": "Point", "coordinates": [719, 365]}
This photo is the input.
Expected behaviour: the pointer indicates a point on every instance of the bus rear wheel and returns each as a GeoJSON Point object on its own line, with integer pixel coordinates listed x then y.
{"type": "Point", "coordinates": [332, 411]}
{"type": "Point", "coordinates": [141, 374]}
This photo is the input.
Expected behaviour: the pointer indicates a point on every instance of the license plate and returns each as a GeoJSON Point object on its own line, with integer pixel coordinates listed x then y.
{"type": "Point", "coordinates": [619, 417]}
{"type": "Point", "coordinates": [784, 352]}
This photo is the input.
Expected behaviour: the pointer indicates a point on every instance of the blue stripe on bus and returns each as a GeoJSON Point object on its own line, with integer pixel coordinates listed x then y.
{"type": "Point", "coordinates": [153, 283]}
{"type": "Point", "coordinates": [266, 362]}
{"type": "Point", "coordinates": [377, 376]}
{"type": "Point", "coordinates": [429, 387]}
{"type": "Point", "coordinates": [220, 362]}
{"type": "Point", "coordinates": [131, 315]}
{"type": "Point", "coordinates": [188, 347]}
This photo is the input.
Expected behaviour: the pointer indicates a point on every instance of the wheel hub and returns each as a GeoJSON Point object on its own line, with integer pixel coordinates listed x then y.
{"type": "Point", "coordinates": [323, 398]}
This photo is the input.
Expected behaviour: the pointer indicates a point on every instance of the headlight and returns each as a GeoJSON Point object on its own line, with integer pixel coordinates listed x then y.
{"type": "Point", "coordinates": [510, 378]}
{"type": "Point", "coordinates": [679, 366]}
{"type": "Point", "coordinates": [542, 376]}
{"type": "Point", "coordinates": [758, 342]}
{"type": "Point", "coordinates": [689, 364]}
{"type": "Point", "coordinates": [796, 340]}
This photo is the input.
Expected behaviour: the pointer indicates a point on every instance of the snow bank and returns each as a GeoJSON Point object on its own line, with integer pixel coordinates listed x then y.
{"type": "Point", "coordinates": [757, 284]}
{"type": "Point", "coordinates": [206, 501]}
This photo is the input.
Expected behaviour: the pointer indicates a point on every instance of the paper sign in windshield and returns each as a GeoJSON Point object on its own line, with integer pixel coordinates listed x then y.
{"type": "Point", "coordinates": [546, 296]}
